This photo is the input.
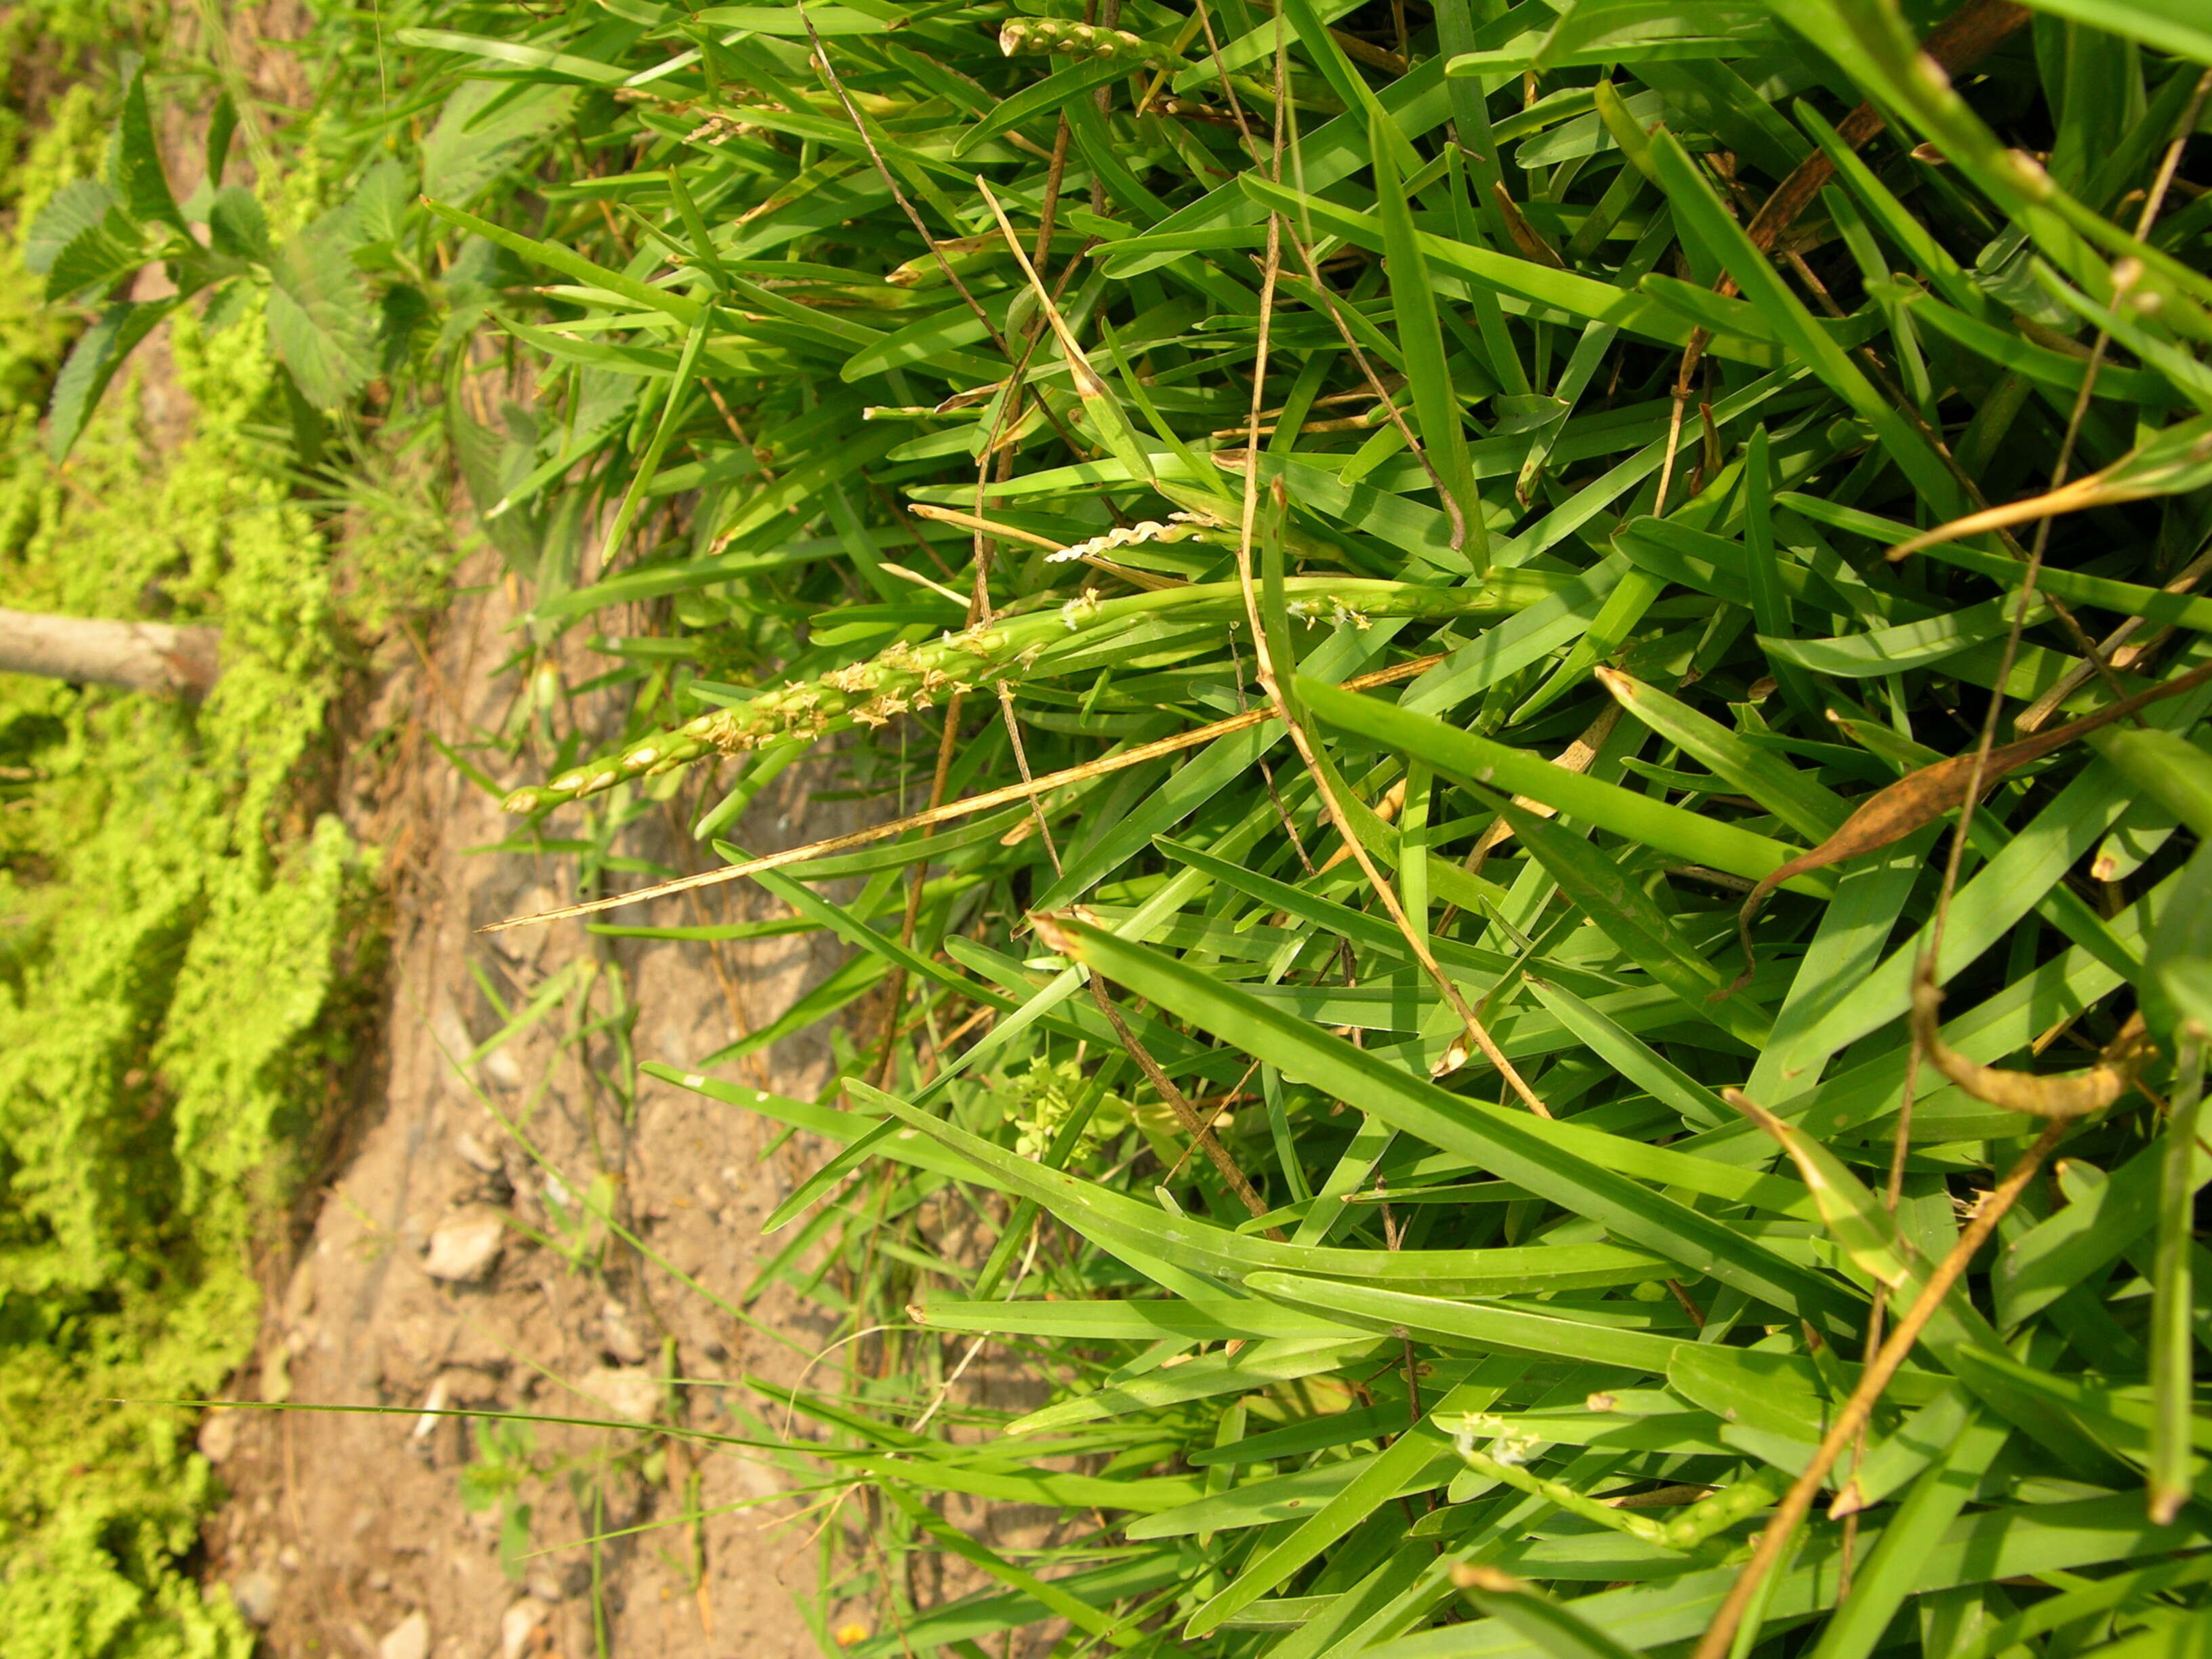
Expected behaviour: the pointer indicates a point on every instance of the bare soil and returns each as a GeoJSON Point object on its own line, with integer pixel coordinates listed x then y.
{"type": "Point", "coordinates": [350, 1533]}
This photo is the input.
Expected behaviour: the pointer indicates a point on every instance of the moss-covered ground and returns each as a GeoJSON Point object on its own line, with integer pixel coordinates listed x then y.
{"type": "Point", "coordinates": [187, 947]}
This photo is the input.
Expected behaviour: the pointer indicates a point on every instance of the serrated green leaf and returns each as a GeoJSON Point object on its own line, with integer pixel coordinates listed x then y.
{"type": "Point", "coordinates": [92, 364]}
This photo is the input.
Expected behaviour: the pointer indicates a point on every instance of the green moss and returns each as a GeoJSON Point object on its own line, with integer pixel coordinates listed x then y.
{"type": "Point", "coordinates": [183, 947]}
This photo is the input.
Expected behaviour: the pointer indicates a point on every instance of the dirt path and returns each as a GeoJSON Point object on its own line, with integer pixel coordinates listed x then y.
{"type": "Point", "coordinates": [354, 1533]}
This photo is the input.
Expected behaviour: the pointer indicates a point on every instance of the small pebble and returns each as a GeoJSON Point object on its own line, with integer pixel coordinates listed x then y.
{"type": "Point", "coordinates": [466, 1246]}
{"type": "Point", "coordinates": [517, 1626]}
{"type": "Point", "coordinates": [408, 1640]}
{"type": "Point", "coordinates": [475, 1154]}
{"type": "Point", "coordinates": [630, 1394]}
{"type": "Point", "coordinates": [620, 1337]}
{"type": "Point", "coordinates": [219, 1435]}
{"type": "Point", "coordinates": [255, 1592]}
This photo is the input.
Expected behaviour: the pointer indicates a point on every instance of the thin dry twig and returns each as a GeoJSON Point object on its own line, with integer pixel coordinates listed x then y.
{"type": "Point", "coordinates": [1194, 1125]}
{"type": "Point", "coordinates": [1855, 1411]}
{"type": "Point", "coordinates": [1476, 1033]}
{"type": "Point", "coordinates": [891, 182]}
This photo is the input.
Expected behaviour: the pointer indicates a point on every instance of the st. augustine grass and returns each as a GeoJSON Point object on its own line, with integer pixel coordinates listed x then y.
{"type": "Point", "coordinates": [1485, 1250]}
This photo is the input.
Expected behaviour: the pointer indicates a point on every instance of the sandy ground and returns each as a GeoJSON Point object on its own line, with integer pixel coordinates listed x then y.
{"type": "Point", "coordinates": [354, 1533]}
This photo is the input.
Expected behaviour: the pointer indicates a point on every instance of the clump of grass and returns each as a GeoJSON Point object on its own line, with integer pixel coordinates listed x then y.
{"type": "Point", "coordinates": [1506, 1237]}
